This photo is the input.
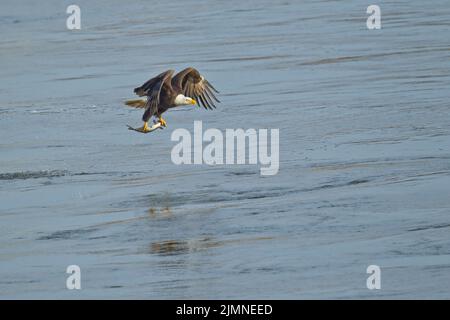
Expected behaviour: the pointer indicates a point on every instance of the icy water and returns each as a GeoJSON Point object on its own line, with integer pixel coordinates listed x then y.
{"type": "Point", "coordinates": [364, 151]}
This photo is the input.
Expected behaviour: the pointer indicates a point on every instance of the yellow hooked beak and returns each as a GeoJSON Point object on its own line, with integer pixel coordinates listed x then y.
{"type": "Point", "coordinates": [193, 101]}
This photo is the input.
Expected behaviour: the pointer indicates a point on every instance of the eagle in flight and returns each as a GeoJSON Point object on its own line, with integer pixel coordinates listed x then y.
{"type": "Point", "coordinates": [163, 92]}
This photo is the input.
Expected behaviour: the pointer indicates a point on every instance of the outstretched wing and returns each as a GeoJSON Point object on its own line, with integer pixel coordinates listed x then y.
{"type": "Point", "coordinates": [152, 89]}
{"type": "Point", "coordinates": [195, 86]}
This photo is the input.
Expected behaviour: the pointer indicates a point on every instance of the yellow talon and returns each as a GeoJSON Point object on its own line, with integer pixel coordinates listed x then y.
{"type": "Point", "coordinates": [163, 122]}
{"type": "Point", "coordinates": [144, 128]}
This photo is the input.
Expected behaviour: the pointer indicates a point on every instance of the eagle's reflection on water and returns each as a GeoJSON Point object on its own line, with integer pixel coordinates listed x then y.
{"type": "Point", "coordinates": [177, 247]}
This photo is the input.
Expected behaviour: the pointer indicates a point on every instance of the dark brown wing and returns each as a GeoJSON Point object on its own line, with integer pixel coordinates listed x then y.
{"type": "Point", "coordinates": [195, 86]}
{"type": "Point", "coordinates": [152, 89]}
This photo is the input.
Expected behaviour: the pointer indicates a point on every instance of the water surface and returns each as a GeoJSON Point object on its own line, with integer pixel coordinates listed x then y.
{"type": "Point", "coordinates": [364, 151]}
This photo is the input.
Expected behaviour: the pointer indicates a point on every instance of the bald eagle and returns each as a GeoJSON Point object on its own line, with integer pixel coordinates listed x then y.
{"type": "Point", "coordinates": [163, 92]}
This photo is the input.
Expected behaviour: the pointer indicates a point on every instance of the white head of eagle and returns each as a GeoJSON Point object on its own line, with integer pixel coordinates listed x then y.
{"type": "Point", "coordinates": [182, 100]}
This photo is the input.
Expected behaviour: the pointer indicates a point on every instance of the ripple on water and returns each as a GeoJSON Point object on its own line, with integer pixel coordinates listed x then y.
{"type": "Point", "coordinates": [23, 175]}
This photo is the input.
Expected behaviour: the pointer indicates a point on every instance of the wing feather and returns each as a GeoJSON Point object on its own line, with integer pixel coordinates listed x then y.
{"type": "Point", "coordinates": [204, 104]}
{"type": "Point", "coordinates": [152, 89]}
{"type": "Point", "coordinates": [208, 90]}
{"type": "Point", "coordinates": [208, 99]}
{"type": "Point", "coordinates": [194, 85]}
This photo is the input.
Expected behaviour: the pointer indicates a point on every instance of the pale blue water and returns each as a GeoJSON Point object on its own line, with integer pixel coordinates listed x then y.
{"type": "Point", "coordinates": [364, 151]}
